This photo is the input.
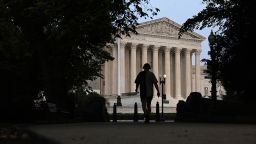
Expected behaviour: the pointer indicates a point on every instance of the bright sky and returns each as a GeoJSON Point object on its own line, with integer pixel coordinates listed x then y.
{"type": "Point", "coordinates": [179, 11]}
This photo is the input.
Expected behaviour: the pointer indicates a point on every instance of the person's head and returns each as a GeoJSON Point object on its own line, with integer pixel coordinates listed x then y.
{"type": "Point", "coordinates": [146, 66]}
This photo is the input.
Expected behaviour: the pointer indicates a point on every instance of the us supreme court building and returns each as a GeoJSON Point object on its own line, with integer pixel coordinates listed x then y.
{"type": "Point", "coordinates": [156, 43]}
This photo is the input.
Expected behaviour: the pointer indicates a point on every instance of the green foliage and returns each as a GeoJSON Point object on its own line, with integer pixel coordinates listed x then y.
{"type": "Point", "coordinates": [235, 23]}
{"type": "Point", "coordinates": [56, 45]}
{"type": "Point", "coordinates": [213, 64]}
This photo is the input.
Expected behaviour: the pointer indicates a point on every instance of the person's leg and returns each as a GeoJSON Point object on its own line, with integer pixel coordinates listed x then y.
{"type": "Point", "coordinates": [144, 105]}
{"type": "Point", "coordinates": [148, 100]}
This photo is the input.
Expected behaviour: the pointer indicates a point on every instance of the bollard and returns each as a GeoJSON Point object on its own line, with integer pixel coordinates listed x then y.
{"type": "Point", "coordinates": [157, 112]}
{"type": "Point", "coordinates": [135, 115]}
{"type": "Point", "coordinates": [114, 113]}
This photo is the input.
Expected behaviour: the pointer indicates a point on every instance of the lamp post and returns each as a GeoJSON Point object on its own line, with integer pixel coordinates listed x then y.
{"type": "Point", "coordinates": [213, 64]}
{"type": "Point", "coordinates": [162, 82]}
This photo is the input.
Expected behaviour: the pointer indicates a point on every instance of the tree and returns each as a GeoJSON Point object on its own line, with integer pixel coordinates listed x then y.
{"type": "Point", "coordinates": [57, 45]}
{"type": "Point", "coordinates": [213, 64]}
{"type": "Point", "coordinates": [235, 23]}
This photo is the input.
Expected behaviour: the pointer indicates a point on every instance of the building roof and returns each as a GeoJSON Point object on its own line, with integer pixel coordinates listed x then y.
{"type": "Point", "coordinates": [166, 27]}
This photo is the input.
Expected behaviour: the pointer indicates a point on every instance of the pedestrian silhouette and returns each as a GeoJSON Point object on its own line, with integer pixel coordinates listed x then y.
{"type": "Point", "coordinates": [145, 80]}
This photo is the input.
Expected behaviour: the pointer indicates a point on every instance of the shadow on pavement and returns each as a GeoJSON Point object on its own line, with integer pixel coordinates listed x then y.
{"type": "Point", "coordinates": [13, 135]}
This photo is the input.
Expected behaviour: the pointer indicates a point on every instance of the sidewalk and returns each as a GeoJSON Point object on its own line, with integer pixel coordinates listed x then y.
{"type": "Point", "coordinates": [153, 133]}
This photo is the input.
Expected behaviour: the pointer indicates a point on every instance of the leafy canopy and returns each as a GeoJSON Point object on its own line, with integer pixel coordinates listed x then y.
{"type": "Point", "coordinates": [235, 24]}
{"type": "Point", "coordinates": [57, 45]}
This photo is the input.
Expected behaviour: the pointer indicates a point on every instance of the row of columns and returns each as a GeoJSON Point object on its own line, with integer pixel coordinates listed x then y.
{"type": "Point", "coordinates": [167, 64]}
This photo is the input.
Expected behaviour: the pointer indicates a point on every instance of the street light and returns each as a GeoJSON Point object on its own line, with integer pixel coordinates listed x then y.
{"type": "Point", "coordinates": [162, 82]}
{"type": "Point", "coordinates": [211, 38]}
{"type": "Point", "coordinates": [213, 64]}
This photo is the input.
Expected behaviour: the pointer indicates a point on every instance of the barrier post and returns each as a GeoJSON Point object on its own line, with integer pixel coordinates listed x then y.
{"type": "Point", "coordinates": [135, 115]}
{"type": "Point", "coordinates": [157, 112]}
{"type": "Point", "coordinates": [114, 113]}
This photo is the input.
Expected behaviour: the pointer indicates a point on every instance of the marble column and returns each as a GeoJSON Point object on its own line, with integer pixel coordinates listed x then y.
{"type": "Point", "coordinates": [188, 72]}
{"type": "Point", "coordinates": [133, 67]}
{"type": "Point", "coordinates": [177, 74]}
{"type": "Point", "coordinates": [191, 68]}
{"type": "Point", "coordinates": [114, 72]}
{"type": "Point", "coordinates": [122, 67]}
{"type": "Point", "coordinates": [197, 60]}
{"type": "Point", "coordinates": [155, 64]}
{"type": "Point", "coordinates": [167, 72]}
{"type": "Point", "coordinates": [144, 54]}
{"type": "Point", "coordinates": [107, 89]}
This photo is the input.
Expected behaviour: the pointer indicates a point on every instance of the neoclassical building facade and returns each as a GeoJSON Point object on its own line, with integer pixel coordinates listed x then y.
{"type": "Point", "coordinates": [156, 43]}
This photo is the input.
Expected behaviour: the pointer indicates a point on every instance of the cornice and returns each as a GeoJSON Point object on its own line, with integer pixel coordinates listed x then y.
{"type": "Point", "coordinates": [167, 37]}
{"type": "Point", "coordinates": [174, 24]}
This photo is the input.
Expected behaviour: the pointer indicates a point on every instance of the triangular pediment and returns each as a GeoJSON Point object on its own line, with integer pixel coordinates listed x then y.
{"type": "Point", "coordinates": [165, 27]}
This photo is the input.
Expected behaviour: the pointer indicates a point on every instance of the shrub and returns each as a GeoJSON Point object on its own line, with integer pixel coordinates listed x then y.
{"type": "Point", "coordinates": [92, 107]}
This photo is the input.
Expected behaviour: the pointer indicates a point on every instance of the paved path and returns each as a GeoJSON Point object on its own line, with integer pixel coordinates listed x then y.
{"type": "Point", "coordinates": [153, 133]}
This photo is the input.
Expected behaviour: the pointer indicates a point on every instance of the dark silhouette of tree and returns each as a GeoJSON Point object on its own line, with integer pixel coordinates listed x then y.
{"type": "Point", "coordinates": [235, 23]}
{"type": "Point", "coordinates": [213, 64]}
{"type": "Point", "coordinates": [57, 45]}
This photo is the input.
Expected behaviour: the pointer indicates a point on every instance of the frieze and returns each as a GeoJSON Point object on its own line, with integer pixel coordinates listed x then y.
{"type": "Point", "coordinates": [167, 28]}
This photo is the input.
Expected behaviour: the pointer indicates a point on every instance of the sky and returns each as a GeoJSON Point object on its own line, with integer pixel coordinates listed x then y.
{"type": "Point", "coordinates": [179, 11]}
